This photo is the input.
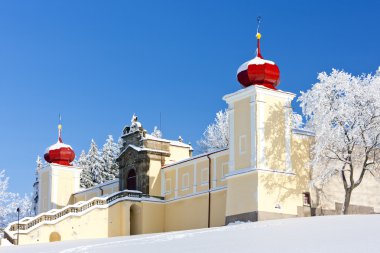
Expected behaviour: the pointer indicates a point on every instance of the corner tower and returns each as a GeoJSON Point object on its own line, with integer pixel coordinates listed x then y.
{"type": "Point", "coordinates": [260, 140]}
{"type": "Point", "coordinates": [59, 179]}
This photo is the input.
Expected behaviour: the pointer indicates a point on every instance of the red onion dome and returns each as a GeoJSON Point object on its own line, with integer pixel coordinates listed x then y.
{"type": "Point", "coordinates": [60, 153]}
{"type": "Point", "coordinates": [259, 71]}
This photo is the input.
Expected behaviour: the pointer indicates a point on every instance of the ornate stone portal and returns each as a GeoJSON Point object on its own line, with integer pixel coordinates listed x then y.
{"type": "Point", "coordinates": [138, 153]}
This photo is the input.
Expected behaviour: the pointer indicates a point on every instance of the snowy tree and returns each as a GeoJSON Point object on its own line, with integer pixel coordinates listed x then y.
{"type": "Point", "coordinates": [96, 164]}
{"type": "Point", "coordinates": [110, 152]}
{"type": "Point", "coordinates": [85, 176]}
{"type": "Point", "coordinates": [9, 202]}
{"type": "Point", "coordinates": [216, 135]}
{"type": "Point", "coordinates": [297, 121]}
{"type": "Point", "coordinates": [36, 186]}
{"type": "Point", "coordinates": [157, 132]}
{"type": "Point", "coordinates": [344, 112]}
{"type": "Point", "coordinates": [120, 143]}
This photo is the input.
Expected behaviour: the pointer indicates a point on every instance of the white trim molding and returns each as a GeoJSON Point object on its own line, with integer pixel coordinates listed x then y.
{"type": "Point", "coordinates": [185, 185]}
{"type": "Point", "coordinates": [253, 131]}
{"type": "Point", "coordinates": [242, 144]}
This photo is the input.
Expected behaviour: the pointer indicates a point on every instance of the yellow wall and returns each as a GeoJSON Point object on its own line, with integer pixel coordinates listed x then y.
{"type": "Point", "coordinates": [177, 154]}
{"type": "Point", "coordinates": [170, 175]}
{"type": "Point", "coordinates": [96, 191]}
{"type": "Point", "coordinates": [242, 194]}
{"type": "Point", "coordinates": [187, 171]}
{"type": "Point", "coordinates": [221, 162]}
{"type": "Point", "coordinates": [65, 186]}
{"type": "Point", "coordinates": [44, 191]}
{"type": "Point", "coordinates": [242, 134]}
{"type": "Point", "coordinates": [155, 178]}
{"type": "Point", "coordinates": [218, 208]}
{"type": "Point", "coordinates": [274, 133]}
{"type": "Point", "coordinates": [192, 213]}
{"type": "Point", "coordinates": [202, 174]}
{"type": "Point", "coordinates": [153, 217]}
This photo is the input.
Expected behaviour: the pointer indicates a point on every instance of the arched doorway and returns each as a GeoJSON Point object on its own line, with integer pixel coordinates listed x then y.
{"type": "Point", "coordinates": [54, 237]}
{"type": "Point", "coordinates": [131, 180]}
{"type": "Point", "coordinates": [135, 220]}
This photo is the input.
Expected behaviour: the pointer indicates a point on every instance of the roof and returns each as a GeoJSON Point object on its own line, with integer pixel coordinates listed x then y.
{"type": "Point", "coordinates": [58, 145]}
{"type": "Point", "coordinates": [303, 132]}
{"type": "Point", "coordinates": [255, 61]}
{"type": "Point", "coordinates": [194, 157]}
{"type": "Point", "coordinates": [174, 143]}
{"type": "Point", "coordinates": [140, 149]}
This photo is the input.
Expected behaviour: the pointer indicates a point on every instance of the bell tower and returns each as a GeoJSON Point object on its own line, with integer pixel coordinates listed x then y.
{"type": "Point", "coordinates": [59, 179]}
{"type": "Point", "coordinates": [260, 136]}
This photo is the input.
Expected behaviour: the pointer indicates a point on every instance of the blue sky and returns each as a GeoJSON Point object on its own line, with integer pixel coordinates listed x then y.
{"type": "Point", "coordinates": [98, 62]}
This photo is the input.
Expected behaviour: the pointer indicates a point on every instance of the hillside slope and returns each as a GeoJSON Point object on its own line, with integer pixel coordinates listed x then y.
{"type": "Point", "coordinates": [316, 234]}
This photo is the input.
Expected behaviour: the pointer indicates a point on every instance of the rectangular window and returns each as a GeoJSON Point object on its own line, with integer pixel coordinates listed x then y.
{"type": "Point", "coordinates": [185, 181]}
{"type": "Point", "coordinates": [242, 144]}
{"type": "Point", "coordinates": [306, 199]}
{"type": "Point", "coordinates": [204, 176]}
{"type": "Point", "coordinates": [224, 170]}
{"type": "Point", "coordinates": [168, 186]}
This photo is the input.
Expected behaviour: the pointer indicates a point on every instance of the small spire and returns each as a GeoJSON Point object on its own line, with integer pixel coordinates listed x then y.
{"type": "Point", "coordinates": [258, 37]}
{"type": "Point", "coordinates": [60, 129]}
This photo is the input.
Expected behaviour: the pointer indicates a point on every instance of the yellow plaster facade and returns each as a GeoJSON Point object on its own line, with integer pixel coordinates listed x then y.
{"type": "Point", "coordinates": [264, 175]}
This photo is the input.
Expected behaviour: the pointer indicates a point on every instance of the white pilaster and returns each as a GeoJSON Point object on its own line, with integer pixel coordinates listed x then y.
{"type": "Point", "coordinates": [288, 129]}
{"type": "Point", "coordinates": [163, 185]}
{"type": "Point", "coordinates": [253, 131]}
{"type": "Point", "coordinates": [176, 183]}
{"type": "Point", "coordinates": [195, 179]}
{"type": "Point", "coordinates": [231, 117]}
{"type": "Point", "coordinates": [261, 133]}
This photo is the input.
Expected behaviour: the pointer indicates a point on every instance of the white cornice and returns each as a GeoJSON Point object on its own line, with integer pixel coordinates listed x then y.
{"type": "Point", "coordinates": [257, 89]}
{"type": "Point", "coordinates": [52, 166]}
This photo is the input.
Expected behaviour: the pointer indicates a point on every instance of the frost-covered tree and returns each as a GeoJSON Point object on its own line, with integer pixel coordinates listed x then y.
{"type": "Point", "coordinates": [9, 202]}
{"type": "Point", "coordinates": [297, 121]}
{"type": "Point", "coordinates": [216, 135]}
{"type": "Point", "coordinates": [36, 186]}
{"type": "Point", "coordinates": [85, 176]}
{"type": "Point", "coordinates": [344, 112]}
{"type": "Point", "coordinates": [96, 164]}
{"type": "Point", "coordinates": [120, 143]}
{"type": "Point", "coordinates": [157, 132]}
{"type": "Point", "coordinates": [110, 152]}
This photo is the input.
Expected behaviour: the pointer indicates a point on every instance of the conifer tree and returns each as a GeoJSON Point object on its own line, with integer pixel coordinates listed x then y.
{"type": "Point", "coordinates": [96, 164]}
{"type": "Point", "coordinates": [36, 186]}
{"type": "Point", "coordinates": [85, 176]}
{"type": "Point", "coordinates": [110, 152]}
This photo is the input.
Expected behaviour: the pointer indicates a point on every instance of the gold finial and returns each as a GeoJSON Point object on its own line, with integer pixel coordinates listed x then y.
{"type": "Point", "coordinates": [258, 34]}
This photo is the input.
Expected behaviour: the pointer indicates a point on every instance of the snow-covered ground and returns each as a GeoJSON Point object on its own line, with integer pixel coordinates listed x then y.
{"type": "Point", "coordinates": [316, 234]}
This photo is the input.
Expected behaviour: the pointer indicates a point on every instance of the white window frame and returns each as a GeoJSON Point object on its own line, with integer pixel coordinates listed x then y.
{"type": "Point", "coordinates": [168, 182]}
{"type": "Point", "coordinates": [242, 144]}
{"type": "Point", "coordinates": [225, 171]}
{"type": "Point", "coordinates": [187, 180]}
{"type": "Point", "coordinates": [204, 181]}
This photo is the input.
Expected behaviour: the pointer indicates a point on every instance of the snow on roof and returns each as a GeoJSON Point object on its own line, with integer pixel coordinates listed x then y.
{"type": "Point", "coordinates": [174, 143]}
{"type": "Point", "coordinates": [194, 157]}
{"type": "Point", "coordinates": [58, 145]}
{"type": "Point", "coordinates": [154, 138]}
{"type": "Point", "coordinates": [139, 149]}
{"type": "Point", "coordinates": [147, 149]}
{"type": "Point", "coordinates": [303, 132]}
{"type": "Point", "coordinates": [254, 61]}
